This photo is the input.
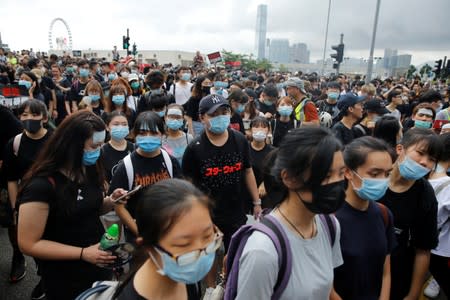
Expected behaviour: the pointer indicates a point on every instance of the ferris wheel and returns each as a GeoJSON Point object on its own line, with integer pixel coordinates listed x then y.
{"type": "Point", "coordinates": [63, 43]}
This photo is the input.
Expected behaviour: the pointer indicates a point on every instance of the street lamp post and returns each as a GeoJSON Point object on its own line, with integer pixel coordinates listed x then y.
{"type": "Point", "coordinates": [372, 47]}
{"type": "Point", "coordinates": [326, 38]}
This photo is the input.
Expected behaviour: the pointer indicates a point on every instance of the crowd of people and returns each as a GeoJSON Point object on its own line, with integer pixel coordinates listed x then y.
{"type": "Point", "coordinates": [350, 177]}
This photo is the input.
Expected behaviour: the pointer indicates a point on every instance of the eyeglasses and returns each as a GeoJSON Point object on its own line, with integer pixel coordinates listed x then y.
{"type": "Point", "coordinates": [192, 256]}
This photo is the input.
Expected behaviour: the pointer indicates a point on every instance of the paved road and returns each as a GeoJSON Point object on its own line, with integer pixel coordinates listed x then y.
{"type": "Point", "coordinates": [22, 289]}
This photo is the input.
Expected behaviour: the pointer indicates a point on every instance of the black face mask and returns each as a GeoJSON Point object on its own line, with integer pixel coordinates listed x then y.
{"type": "Point", "coordinates": [206, 90]}
{"type": "Point", "coordinates": [32, 126]}
{"type": "Point", "coordinates": [326, 199]}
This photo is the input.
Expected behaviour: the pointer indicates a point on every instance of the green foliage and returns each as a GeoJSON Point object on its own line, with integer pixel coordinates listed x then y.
{"type": "Point", "coordinates": [248, 63]}
{"type": "Point", "coordinates": [412, 69]}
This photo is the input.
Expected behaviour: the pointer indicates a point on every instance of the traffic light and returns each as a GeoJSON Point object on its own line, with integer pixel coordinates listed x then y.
{"type": "Point", "coordinates": [437, 67]}
{"type": "Point", "coordinates": [134, 49]}
{"type": "Point", "coordinates": [339, 55]}
{"type": "Point", "coordinates": [125, 43]}
{"type": "Point", "coordinates": [336, 65]}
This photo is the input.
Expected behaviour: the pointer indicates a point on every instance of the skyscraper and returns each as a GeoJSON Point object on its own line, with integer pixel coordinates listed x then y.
{"type": "Point", "coordinates": [279, 51]}
{"type": "Point", "coordinates": [298, 53]}
{"type": "Point", "coordinates": [261, 30]}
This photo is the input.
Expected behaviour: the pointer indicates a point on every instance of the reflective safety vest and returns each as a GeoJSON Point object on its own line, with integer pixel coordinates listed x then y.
{"type": "Point", "coordinates": [300, 110]}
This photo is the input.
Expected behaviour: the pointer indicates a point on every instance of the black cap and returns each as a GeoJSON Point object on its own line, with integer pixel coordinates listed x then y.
{"type": "Point", "coordinates": [375, 106]}
{"type": "Point", "coordinates": [209, 104]}
{"type": "Point", "coordinates": [349, 100]}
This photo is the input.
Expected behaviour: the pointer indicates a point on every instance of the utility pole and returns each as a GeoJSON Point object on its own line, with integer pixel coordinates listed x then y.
{"type": "Point", "coordinates": [326, 38]}
{"type": "Point", "coordinates": [372, 47]}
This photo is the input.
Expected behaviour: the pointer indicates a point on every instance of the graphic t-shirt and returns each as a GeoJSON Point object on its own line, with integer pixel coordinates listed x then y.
{"type": "Point", "coordinates": [219, 172]}
{"type": "Point", "coordinates": [77, 91]}
{"type": "Point", "coordinates": [236, 123]}
{"type": "Point", "coordinates": [147, 171]}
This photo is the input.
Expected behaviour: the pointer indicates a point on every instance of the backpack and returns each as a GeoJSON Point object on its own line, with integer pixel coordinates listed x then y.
{"type": "Point", "coordinates": [16, 144]}
{"type": "Point", "coordinates": [271, 227]}
{"type": "Point", "coordinates": [100, 290]}
{"type": "Point", "coordinates": [130, 170]}
{"type": "Point", "coordinates": [384, 213]}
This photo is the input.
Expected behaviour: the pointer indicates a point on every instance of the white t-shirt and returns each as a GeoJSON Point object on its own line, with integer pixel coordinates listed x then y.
{"type": "Point", "coordinates": [182, 92]}
{"type": "Point", "coordinates": [443, 198]}
{"type": "Point", "coordinates": [313, 261]}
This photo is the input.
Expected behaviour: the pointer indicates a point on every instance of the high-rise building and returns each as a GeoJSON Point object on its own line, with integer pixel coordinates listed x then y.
{"type": "Point", "coordinates": [4, 46]}
{"type": "Point", "coordinates": [298, 53]}
{"type": "Point", "coordinates": [261, 31]}
{"type": "Point", "coordinates": [388, 60]}
{"type": "Point", "coordinates": [279, 51]}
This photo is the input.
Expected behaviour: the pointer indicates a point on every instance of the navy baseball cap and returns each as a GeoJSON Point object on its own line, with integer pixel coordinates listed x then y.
{"type": "Point", "coordinates": [209, 104]}
{"type": "Point", "coordinates": [349, 100]}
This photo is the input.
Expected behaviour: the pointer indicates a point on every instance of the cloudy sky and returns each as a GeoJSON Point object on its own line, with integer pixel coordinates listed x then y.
{"type": "Point", "coordinates": [416, 27]}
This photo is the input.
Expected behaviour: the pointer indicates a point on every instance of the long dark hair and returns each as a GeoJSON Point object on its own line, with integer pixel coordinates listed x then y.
{"type": "Point", "coordinates": [306, 154]}
{"type": "Point", "coordinates": [387, 129]}
{"type": "Point", "coordinates": [197, 91]}
{"type": "Point", "coordinates": [64, 150]}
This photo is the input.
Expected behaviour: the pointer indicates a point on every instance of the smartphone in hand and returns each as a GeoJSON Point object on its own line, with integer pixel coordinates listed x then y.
{"type": "Point", "coordinates": [130, 193]}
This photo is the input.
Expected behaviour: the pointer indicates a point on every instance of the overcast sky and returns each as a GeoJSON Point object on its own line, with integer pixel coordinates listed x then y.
{"type": "Point", "coordinates": [416, 27]}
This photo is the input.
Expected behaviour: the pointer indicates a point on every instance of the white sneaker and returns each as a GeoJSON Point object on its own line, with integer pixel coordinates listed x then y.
{"type": "Point", "coordinates": [208, 293]}
{"type": "Point", "coordinates": [432, 289]}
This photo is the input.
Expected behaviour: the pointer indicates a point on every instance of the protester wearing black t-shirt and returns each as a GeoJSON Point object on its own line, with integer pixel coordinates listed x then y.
{"type": "Point", "coordinates": [62, 87]}
{"type": "Point", "coordinates": [59, 207]}
{"type": "Point", "coordinates": [412, 201]}
{"type": "Point", "coordinates": [148, 166]}
{"type": "Point", "coordinates": [200, 89]}
{"type": "Point", "coordinates": [283, 121]}
{"type": "Point", "coordinates": [77, 90]}
{"type": "Point", "coordinates": [258, 147]}
{"type": "Point", "coordinates": [20, 153]}
{"type": "Point", "coordinates": [351, 110]}
{"type": "Point", "coordinates": [218, 163]}
{"type": "Point", "coordinates": [117, 147]}
{"type": "Point", "coordinates": [259, 150]}
{"type": "Point", "coordinates": [267, 101]}
{"type": "Point", "coordinates": [367, 231]}
{"type": "Point", "coordinates": [237, 99]}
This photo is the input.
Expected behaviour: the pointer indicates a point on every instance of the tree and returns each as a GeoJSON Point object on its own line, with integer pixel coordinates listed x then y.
{"type": "Point", "coordinates": [283, 68]}
{"type": "Point", "coordinates": [425, 70]}
{"type": "Point", "coordinates": [247, 61]}
{"type": "Point", "coordinates": [412, 69]}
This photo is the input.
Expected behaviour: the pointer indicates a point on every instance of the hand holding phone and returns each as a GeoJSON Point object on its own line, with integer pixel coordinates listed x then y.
{"type": "Point", "coordinates": [128, 194]}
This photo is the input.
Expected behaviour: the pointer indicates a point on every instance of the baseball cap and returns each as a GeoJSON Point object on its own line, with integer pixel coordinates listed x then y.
{"type": "Point", "coordinates": [333, 85]}
{"type": "Point", "coordinates": [132, 77]}
{"type": "Point", "coordinates": [349, 100]}
{"type": "Point", "coordinates": [296, 82]}
{"type": "Point", "coordinates": [209, 104]}
{"type": "Point", "coordinates": [376, 106]}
